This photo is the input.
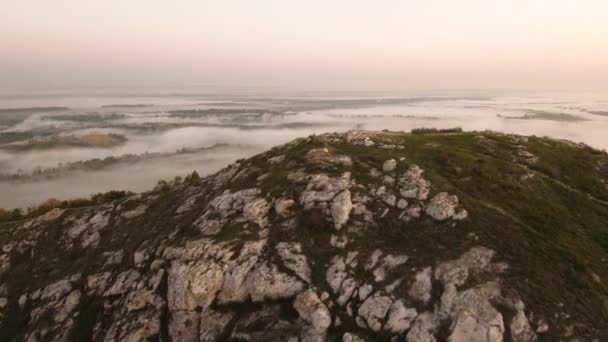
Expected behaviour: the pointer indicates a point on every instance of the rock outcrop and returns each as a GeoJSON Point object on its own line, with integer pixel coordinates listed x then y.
{"type": "Point", "coordinates": [306, 242]}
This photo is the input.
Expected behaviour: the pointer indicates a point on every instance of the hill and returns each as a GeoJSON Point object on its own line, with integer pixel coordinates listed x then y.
{"type": "Point", "coordinates": [357, 236]}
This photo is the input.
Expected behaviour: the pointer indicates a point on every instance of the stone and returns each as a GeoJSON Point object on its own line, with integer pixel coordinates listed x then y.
{"type": "Point", "coordinates": [402, 204]}
{"type": "Point", "coordinates": [276, 159]}
{"type": "Point", "coordinates": [520, 328]}
{"type": "Point", "coordinates": [400, 318]}
{"type": "Point", "coordinates": [56, 290]}
{"type": "Point", "coordinates": [412, 185]}
{"type": "Point", "coordinates": [422, 286]}
{"type": "Point", "coordinates": [266, 283]}
{"type": "Point", "coordinates": [392, 261]}
{"type": "Point", "coordinates": [338, 241]}
{"type": "Point", "coordinates": [460, 214]}
{"type": "Point", "coordinates": [349, 285]}
{"type": "Point", "coordinates": [256, 211]}
{"type": "Point", "coordinates": [282, 206]}
{"type": "Point", "coordinates": [542, 327]}
{"type": "Point", "coordinates": [340, 208]}
{"type": "Point", "coordinates": [114, 258]}
{"type": "Point", "coordinates": [322, 188]}
{"type": "Point", "coordinates": [389, 165]}
{"type": "Point", "coordinates": [68, 306]}
{"type": "Point", "coordinates": [456, 272]}
{"type": "Point", "coordinates": [413, 212]}
{"type": "Point", "coordinates": [312, 310]}
{"type": "Point", "coordinates": [22, 301]}
{"type": "Point", "coordinates": [324, 156]}
{"type": "Point", "coordinates": [235, 288]}
{"type": "Point", "coordinates": [442, 206]}
{"type": "Point", "coordinates": [87, 230]}
{"type": "Point", "coordinates": [98, 282]}
{"type": "Point", "coordinates": [423, 329]}
{"type": "Point", "coordinates": [193, 285]}
{"type": "Point", "coordinates": [349, 337]}
{"type": "Point", "coordinates": [468, 327]}
{"type": "Point", "coordinates": [336, 273]}
{"type": "Point", "coordinates": [379, 274]}
{"type": "Point", "coordinates": [374, 310]}
{"type": "Point", "coordinates": [389, 199]}
{"type": "Point", "coordinates": [388, 180]}
{"type": "Point", "coordinates": [184, 325]}
{"type": "Point", "coordinates": [364, 291]}
{"type": "Point", "coordinates": [473, 316]}
{"type": "Point", "coordinates": [124, 282]}
{"type": "Point", "coordinates": [135, 212]}
{"type": "Point", "coordinates": [140, 257]}
{"type": "Point", "coordinates": [293, 259]}
{"type": "Point", "coordinates": [214, 324]}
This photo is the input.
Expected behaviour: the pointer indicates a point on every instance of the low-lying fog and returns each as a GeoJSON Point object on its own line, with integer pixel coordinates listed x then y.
{"type": "Point", "coordinates": [67, 147]}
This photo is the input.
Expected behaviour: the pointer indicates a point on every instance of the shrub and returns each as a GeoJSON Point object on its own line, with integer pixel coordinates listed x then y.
{"type": "Point", "coordinates": [424, 130]}
{"type": "Point", "coordinates": [192, 178]}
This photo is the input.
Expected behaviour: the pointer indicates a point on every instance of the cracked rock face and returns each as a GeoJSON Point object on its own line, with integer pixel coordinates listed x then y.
{"type": "Point", "coordinates": [301, 243]}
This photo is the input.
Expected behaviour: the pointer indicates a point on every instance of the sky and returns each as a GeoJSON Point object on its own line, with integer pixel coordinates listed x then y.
{"type": "Point", "coordinates": [307, 45]}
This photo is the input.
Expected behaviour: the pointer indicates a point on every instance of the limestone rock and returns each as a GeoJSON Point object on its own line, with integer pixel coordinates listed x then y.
{"type": "Point", "coordinates": [423, 329]}
{"type": "Point", "coordinates": [374, 310]}
{"type": "Point", "coordinates": [276, 159]}
{"type": "Point", "coordinates": [312, 310]}
{"type": "Point", "coordinates": [256, 210]}
{"type": "Point", "coordinates": [336, 273]}
{"type": "Point", "coordinates": [442, 206]}
{"type": "Point", "coordinates": [293, 259]}
{"type": "Point", "coordinates": [266, 283]}
{"type": "Point", "coordinates": [340, 208]}
{"type": "Point", "coordinates": [193, 285]}
{"type": "Point", "coordinates": [349, 337]}
{"type": "Point", "coordinates": [413, 185]}
{"type": "Point", "coordinates": [56, 290]}
{"type": "Point", "coordinates": [520, 328]}
{"type": "Point", "coordinates": [282, 206]}
{"type": "Point", "coordinates": [123, 283]}
{"type": "Point", "coordinates": [422, 286]}
{"type": "Point", "coordinates": [400, 318]}
{"type": "Point", "coordinates": [389, 165]}
{"type": "Point", "coordinates": [214, 324]}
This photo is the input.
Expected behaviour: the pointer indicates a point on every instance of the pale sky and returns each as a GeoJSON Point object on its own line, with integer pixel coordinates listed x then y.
{"type": "Point", "coordinates": [313, 44]}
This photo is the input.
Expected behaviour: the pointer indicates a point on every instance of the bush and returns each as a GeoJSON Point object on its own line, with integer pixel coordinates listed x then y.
{"type": "Point", "coordinates": [53, 203]}
{"type": "Point", "coordinates": [5, 215]}
{"type": "Point", "coordinates": [45, 207]}
{"type": "Point", "coordinates": [110, 196]}
{"type": "Point", "coordinates": [192, 178]}
{"type": "Point", "coordinates": [436, 130]}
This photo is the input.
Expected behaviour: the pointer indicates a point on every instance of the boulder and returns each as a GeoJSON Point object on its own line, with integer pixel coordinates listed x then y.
{"type": "Point", "coordinates": [341, 207]}
{"type": "Point", "coordinates": [256, 210]}
{"type": "Point", "coordinates": [400, 318]}
{"type": "Point", "coordinates": [267, 283]}
{"type": "Point", "coordinates": [293, 259]}
{"type": "Point", "coordinates": [442, 206]}
{"type": "Point", "coordinates": [389, 165]}
{"type": "Point", "coordinates": [374, 310]}
{"type": "Point", "coordinates": [422, 286]}
{"type": "Point", "coordinates": [316, 315]}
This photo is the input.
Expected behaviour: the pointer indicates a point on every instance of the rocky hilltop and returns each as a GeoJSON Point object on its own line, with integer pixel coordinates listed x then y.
{"type": "Point", "coordinates": [359, 236]}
